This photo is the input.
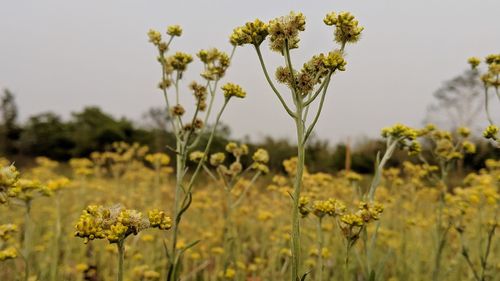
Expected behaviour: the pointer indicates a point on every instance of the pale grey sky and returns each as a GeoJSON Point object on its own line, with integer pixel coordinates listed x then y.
{"type": "Point", "coordinates": [63, 55]}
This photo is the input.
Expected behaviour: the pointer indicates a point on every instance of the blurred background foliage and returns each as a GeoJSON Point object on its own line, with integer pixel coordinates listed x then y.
{"type": "Point", "coordinates": [92, 129]}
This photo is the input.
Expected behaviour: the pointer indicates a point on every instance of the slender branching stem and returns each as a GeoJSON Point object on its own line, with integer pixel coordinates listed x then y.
{"type": "Point", "coordinates": [318, 91]}
{"type": "Point", "coordinates": [264, 69]}
{"type": "Point", "coordinates": [245, 191]}
{"type": "Point", "coordinates": [318, 113]}
{"type": "Point", "coordinates": [380, 167]}
{"type": "Point", "coordinates": [486, 105]}
{"type": "Point", "coordinates": [207, 147]}
{"type": "Point", "coordinates": [320, 250]}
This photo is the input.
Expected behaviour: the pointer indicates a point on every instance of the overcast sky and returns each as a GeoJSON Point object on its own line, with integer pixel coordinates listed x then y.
{"type": "Point", "coordinates": [63, 55]}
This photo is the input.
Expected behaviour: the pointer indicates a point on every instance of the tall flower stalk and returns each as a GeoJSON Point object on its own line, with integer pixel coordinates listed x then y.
{"type": "Point", "coordinates": [188, 133]}
{"type": "Point", "coordinates": [231, 177]}
{"type": "Point", "coordinates": [306, 86]}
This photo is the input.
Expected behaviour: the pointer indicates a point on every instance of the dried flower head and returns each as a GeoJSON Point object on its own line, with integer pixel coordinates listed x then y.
{"type": "Point", "coordinates": [9, 177]}
{"type": "Point", "coordinates": [233, 90]}
{"type": "Point", "coordinates": [179, 61]}
{"type": "Point", "coordinates": [474, 62]}
{"type": "Point", "coordinates": [286, 29]}
{"type": "Point", "coordinates": [217, 159]}
{"type": "Point", "coordinates": [154, 37]}
{"type": "Point", "coordinates": [347, 29]}
{"type": "Point", "coordinates": [174, 30]}
{"type": "Point", "coordinates": [251, 33]}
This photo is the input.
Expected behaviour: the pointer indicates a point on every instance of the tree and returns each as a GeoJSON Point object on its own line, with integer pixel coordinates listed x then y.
{"type": "Point", "coordinates": [46, 134]}
{"type": "Point", "coordinates": [9, 129]}
{"type": "Point", "coordinates": [94, 129]}
{"type": "Point", "coordinates": [458, 102]}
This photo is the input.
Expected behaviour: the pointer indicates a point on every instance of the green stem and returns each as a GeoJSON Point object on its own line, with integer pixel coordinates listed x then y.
{"type": "Point", "coordinates": [181, 162]}
{"type": "Point", "coordinates": [230, 232]}
{"type": "Point", "coordinates": [346, 263]}
{"type": "Point", "coordinates": [180, 165]}
{"type": "Point", "coordinates": [318, 113]}
{"type": "Point", "coordinates": [318, 91]}
{"type": "Point", "coordinates": [320, 250]}
{"type": "Point", "coordinates": [121, 255]}
{"type": "Point", "coordinates": [484, 260]}
{"type": "Point", "coordinates": [264, 69]}
{"type": "Point", "coordinates": [486, 105]}
{"type": "Point", "coordinates": [207, 147]}
{"type": "Point", "coordinates": [245, 191]}
{"type": "Point", "coordinates": [380, 167]}
{"type": "Point", "coordinates": [288, 61]}
{"type": "Point", "coordinates": [296, 196]}
{"type": "Point", "coordinates": [57, 237]}
{"type": "Point", "coordinates": [27, 241]}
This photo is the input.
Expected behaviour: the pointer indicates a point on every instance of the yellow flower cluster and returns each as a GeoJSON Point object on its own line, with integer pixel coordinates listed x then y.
{"type": "Point", "coordinates": [179, 61]}
{"type": "Point", "coordinates": [474, 62]}
{"type": "Point", "coordinates": [6, 231]}
{"type": "Point", "coordinates": [81, 166]}
{"type": "Point", "coordinates": [233, 90]}
{"type": "Point", "coordinates": [236, 150]}
{"type": "Point", "coordinates": [335, 60]}
{"type": "Point", "coordinates": [158, 159]}
{"type": "Point", "coordinates": [216, 63]}
{"type": "Point", "coordinates": [251, 33]}
{"type": "Point", "coordinates": [6, 234]}
{"type": "Point", "coordinates": [312, 72]}
{"type": "Point", "coordinates": [58, 184]}
{"type": "Point", "coordinates": [159, 219]}
{"type": "Point", "coordinates": [491, 77]}
{"type": "Point", "coordinates": [448, 146]}
{"type": "Point", "coordinates": [217, 159]}
{"type": "Point", "coordinates": [197, 156]}
{"type": "Point", "coordinates": [154, 37]}
{"type": "Point", "coordinates": [260, 158]}
{"type": "Point", "coordinates": [116, 223]}
{"type": "Point", "coordinates": [366, 213]}
{"type": "Point", "coordinates": [347, 29]}
{"type": "Point", "coordinates": [26, 190]}
{"type": "Point", "coordinates": [491, 132]}
{"type": "Point", "coordinates": [9, 177]}
{"type": "Point", "coordinates": [404, 136]}
{"type": "Point", "coordinates": [8, 253]}
{"type": "Point", "coordinates": [174, 30]}
{"type": "Point", "coordinates": [399, 131]}
{"type": "Point", "coordinates": [200, 94]}
{"type": "Point", "coordinates": [145, 273]}
{"type": "Point", "coordinates": [286, 29]}
{"type": "Point", "coordinates": [351, 224]}
{"type": "Point", "coordinates": [331, 207]}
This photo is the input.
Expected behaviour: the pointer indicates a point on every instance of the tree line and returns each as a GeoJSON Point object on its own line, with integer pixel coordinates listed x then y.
{"type": "Point", "coordinates": [92, 129]}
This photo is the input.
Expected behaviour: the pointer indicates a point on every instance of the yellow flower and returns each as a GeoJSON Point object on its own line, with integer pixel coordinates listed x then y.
{"type": "Point", "coordinates": [9, 253]}
{"type": "Point", "coordinates": [347, 29]}
{"type": "Point", "coordinates": [217, 159]}
{"type": "Point", "coordinates": [251, 33]}
{"type": "Point", "coordinates": [179, 61]}
{"type": "Point", "coordinates": [286, 29]}
{"type": "Point", "coordinates": [154, 37]}
{"type": "Point", "coordinates": [491, 132]}
{"type": "Point", "coordinates": [196, 156]}
{"type": "Point", "coordinates": [261, 156]}
{"type": "Point", "coordinates": [159, 219]}
{"type": "Point", "coordinates": [474, 62]}
{"type": "Point", "coordinates": [174, 30]}
{"type": "Point", "coordinates": [233, 90]}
